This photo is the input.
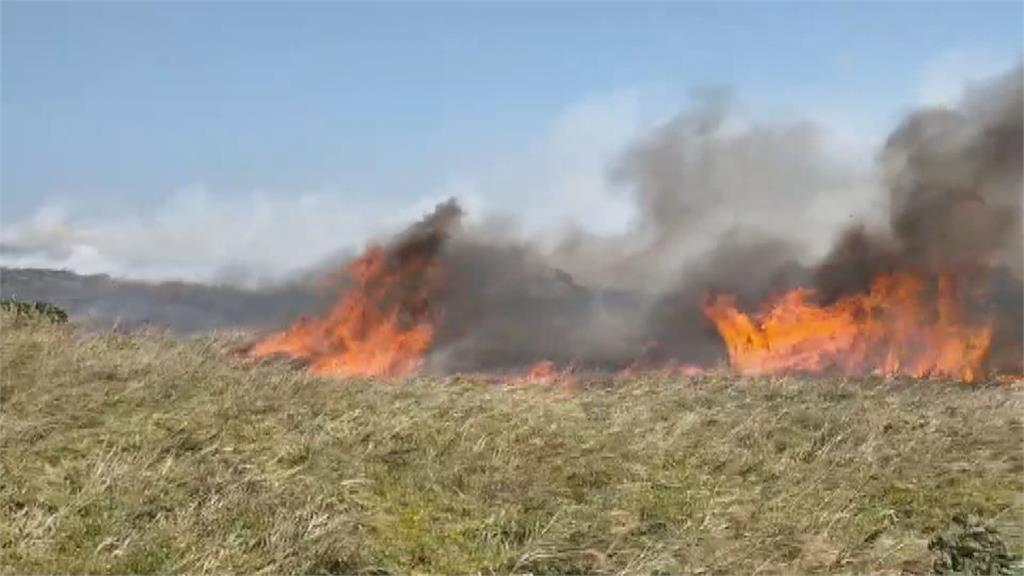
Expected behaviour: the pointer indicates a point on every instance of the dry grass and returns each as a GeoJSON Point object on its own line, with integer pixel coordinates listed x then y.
{"type": "Point", "coordinates": [132, 454]}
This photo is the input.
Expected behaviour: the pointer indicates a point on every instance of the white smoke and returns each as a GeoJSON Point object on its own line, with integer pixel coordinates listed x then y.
{"type": "Point", "coordinates": [195, 235]}
{"type": "Point", "coordinates": [557, 185]}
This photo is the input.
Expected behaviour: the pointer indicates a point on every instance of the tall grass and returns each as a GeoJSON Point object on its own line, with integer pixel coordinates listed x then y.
{"type": "Point", "coordinates": [141, 453]}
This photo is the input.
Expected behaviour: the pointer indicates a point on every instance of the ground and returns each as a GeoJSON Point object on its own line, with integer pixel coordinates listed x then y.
{"type": "Point", "coordinates": [144, 453]}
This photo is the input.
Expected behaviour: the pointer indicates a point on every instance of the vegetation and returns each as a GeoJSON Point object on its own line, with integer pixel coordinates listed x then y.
{"type": "Point", "coordinates": [140, 453]}
{"type": "Point", "coordinates": [969, 547]}
{"type": "Point", "coordinates": [18, 310]}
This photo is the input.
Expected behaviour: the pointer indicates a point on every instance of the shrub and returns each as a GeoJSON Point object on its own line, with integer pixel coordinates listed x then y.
{"type": "Point", "coordinates": [969, 547]}
{"type": "Point", "coordinates": [34, 310]}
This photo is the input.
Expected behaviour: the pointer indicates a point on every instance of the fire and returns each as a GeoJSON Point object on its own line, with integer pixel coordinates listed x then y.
{"type": "Point", "coordinates": [380, 326]}
{"type": "Point", "coordinates": [548, 373]}
{"type": "Point", "coordinates": [543, 371]}
{"type": "Point", "coordinates": [889, 330]}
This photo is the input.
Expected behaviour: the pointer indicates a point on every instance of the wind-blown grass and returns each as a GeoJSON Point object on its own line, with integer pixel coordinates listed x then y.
{"type": "Point", "coordinates": [141, 453]}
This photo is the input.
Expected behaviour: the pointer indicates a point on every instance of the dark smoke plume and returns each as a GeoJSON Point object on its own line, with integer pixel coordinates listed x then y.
{"type": "Point", "coordinates": [720, 208]}
{"type": "Point", "coordinates": [498, 304]}
{"type": "Point", "coordinates": [954, 178]}
{"type": "Point", "coordinates": [698, 178]}
{"type": "Point", "coordinates": [505, 307]}
{"type": "Point", "coordinates": [954, 181]}
{"type": "Point", "coordinates": [954, 187]}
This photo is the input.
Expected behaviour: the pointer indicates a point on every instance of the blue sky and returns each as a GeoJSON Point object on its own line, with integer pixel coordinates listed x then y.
{"type": "Point", "coordinates": [113, 109]}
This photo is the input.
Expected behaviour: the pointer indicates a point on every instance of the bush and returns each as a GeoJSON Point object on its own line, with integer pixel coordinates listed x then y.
{"type": "Point", "coordinates": [968, 547]}
{"type": "Point", "coordinates": [34, 310]}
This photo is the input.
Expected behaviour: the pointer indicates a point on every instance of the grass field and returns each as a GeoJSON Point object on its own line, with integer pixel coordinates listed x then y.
{"type": "Point", "coordinates": [142, 453]}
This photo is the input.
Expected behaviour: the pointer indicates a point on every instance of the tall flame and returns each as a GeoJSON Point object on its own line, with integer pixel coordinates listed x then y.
{"type": "Point", "coordinates": [380, 326]}
{"type": "Point", "coordinates": [890, 330]}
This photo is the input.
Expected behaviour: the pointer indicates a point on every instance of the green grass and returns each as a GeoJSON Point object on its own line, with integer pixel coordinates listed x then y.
{"type": "Point", "coordinates": [142, 453]}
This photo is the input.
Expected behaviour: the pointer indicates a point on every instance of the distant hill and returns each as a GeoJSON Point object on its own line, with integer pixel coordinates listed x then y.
{"type": "Point", "coordinates": [102, 301]}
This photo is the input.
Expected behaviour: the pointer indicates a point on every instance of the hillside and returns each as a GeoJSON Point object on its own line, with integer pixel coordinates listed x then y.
{"type": "Point", "coordinates": [102, 301]}
{"type": "Point", "coordinates": [132, 453]}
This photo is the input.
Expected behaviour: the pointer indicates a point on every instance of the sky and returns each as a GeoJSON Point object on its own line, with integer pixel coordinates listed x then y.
{"type": "Point", "coordinates": [179, 139]}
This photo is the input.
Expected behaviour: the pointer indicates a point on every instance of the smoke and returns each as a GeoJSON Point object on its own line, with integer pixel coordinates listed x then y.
{"type": "Point", "coordinates": [714, 201]}
{"type": "Point", "coordinates": [506, 306]}
{"type": "Point", "coordinates": [954, 181]}
{"type": "Point", "coordinates": [737, 209]}
{"type": "Point", "coordinates": [493, 303]}
{"type": "Point", "coordinates": [720, 204]}
{"type": "Point", "coordinates": [951, 181]}
{"type": "Point", "coordinates": [751, 267]}
{"type": "Point", "coordinates": [251, 240]}
{"type": "Point", "coordinates": [705, 174]}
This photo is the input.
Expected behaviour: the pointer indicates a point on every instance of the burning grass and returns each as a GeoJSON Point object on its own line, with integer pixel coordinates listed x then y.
{"type": "Point", "coordinates": [139, 453]}
{"type": "Point", "coordinates": [888, 331]}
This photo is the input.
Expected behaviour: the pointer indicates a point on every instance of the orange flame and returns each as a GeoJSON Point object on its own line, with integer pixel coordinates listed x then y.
{"type": "Point", "coordinates": [544, 372]}
{"type": "Point", "coordinates": [548, 373]}
{"type": "Point", "coordinates": [380, 326]}
{"type": "Point", "coordinates": [889, 330]}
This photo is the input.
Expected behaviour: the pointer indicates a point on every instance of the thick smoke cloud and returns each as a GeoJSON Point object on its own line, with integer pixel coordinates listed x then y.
{"type": "Point", "coordinates": [703, 175]}
{"type": "Point", "coordinates": [748, 209]}
{"type": "Point", "coordinates": [954, 179]}
{"type": "Point", "coordinates": [506, 307]}
{"type": "Point", "coordinates": [497, 304]}
{"type": "Point", "coordinates": [718, 206]}
{"type": "Point", "coordinates": [954, 189]}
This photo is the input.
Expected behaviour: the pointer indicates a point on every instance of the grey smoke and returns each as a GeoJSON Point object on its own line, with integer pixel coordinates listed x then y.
{"type": "Point", "coordinates": [953, 187]}
{"type": "Point", "coordinates": [700, 176]}
{"type": "Point", "coordinates": [954, 178]}
{"type": "Point", "coordinates": [505, 307]}
{"type": "Point", "coordinates": [748, 209]}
